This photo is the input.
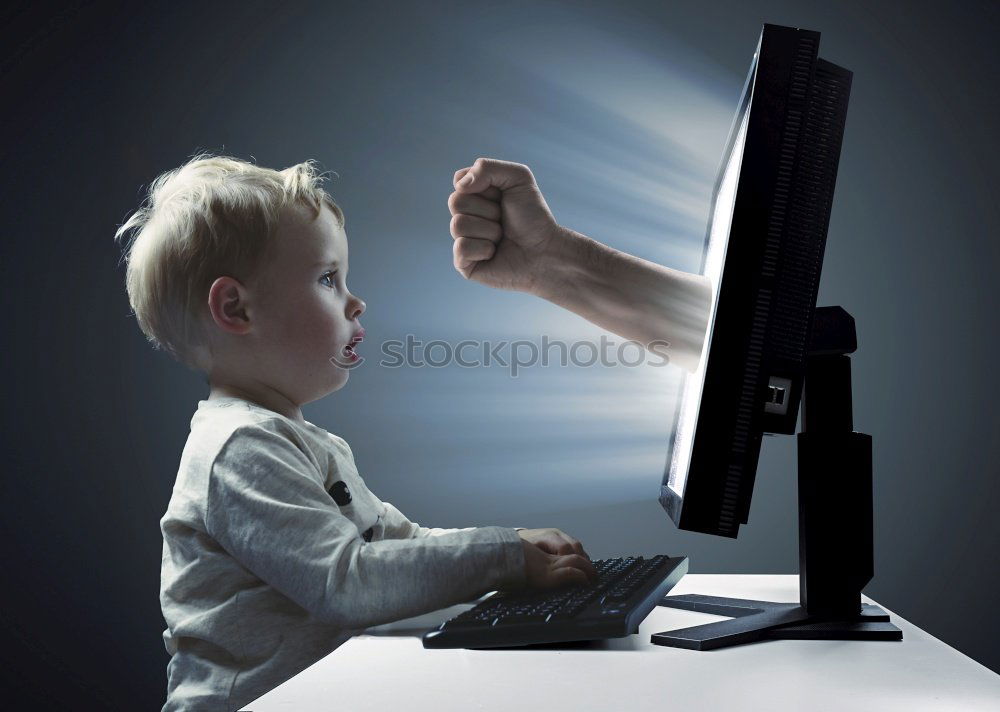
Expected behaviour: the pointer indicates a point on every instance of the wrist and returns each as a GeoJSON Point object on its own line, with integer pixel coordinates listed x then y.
{"type": "Point", "coordinates": [564, 265]}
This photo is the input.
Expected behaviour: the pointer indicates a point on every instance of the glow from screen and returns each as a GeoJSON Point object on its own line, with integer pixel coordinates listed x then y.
{"type": "Point", "coordinates": [625, 140]}
{"type": "Point", "coordinates": [715, 258]}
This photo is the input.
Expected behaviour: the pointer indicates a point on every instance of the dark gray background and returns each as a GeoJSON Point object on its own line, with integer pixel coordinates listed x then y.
{"type": "Point", "coordinates": [622, 111]}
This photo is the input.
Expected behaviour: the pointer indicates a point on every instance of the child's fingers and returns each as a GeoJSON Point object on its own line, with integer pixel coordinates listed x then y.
{"type": "Point", "coordinates": [472, 226]}
{"type": "Point", "coordinates": [569, 576]}
{"type": "Point", "coordinates": [579, 563]}
{"type": "Point", "coordinates": [571, 545]}
{"type": "Point", "coordinates": [565, 546]}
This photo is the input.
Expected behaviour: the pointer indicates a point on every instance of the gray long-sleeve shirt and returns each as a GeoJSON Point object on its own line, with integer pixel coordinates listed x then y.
{"type": "Point", "coordinates": [275, 552]}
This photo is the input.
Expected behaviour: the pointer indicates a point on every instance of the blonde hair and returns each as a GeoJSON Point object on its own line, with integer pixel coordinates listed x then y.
{"type": "Point", "coordinates": [213, 216]}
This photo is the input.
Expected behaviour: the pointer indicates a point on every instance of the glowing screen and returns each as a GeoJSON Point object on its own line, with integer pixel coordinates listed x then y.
{"type": "Point", "coordinates": [682, 441]}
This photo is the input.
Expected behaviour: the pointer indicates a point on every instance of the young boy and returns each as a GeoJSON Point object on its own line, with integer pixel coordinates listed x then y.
{"type": "Point", "coordinates": [274, 550]}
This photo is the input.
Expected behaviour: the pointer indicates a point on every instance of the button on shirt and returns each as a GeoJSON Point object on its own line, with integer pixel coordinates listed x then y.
{"type": "Point", "coordinates": [275, 552]}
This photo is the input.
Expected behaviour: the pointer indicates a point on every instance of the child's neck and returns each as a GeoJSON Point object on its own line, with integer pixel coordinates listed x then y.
{"type": "Point", "coordinates": [258, 394]}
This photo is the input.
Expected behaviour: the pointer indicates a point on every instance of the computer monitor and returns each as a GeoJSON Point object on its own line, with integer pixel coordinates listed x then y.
{"type": "Point", "coordinates": [766, 342]}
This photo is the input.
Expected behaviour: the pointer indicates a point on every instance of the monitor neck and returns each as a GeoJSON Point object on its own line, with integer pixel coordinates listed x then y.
{"type": "Point", "coordinates": [836, 559]}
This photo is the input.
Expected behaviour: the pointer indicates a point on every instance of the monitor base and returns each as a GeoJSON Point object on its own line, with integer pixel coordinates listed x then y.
{"type": "Point", "coordinates": [766, 620]}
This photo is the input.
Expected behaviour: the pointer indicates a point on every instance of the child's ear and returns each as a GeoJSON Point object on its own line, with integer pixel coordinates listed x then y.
{"type": "Point", "coordinates": [227, 302]}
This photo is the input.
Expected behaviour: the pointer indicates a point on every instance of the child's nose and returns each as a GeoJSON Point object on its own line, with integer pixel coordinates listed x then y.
{"type": "Point", "coordinates": [356, 308]}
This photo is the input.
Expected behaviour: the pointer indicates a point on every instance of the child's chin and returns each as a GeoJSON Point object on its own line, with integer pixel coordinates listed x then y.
{"type": "Point", "coordinates": [340, 379]}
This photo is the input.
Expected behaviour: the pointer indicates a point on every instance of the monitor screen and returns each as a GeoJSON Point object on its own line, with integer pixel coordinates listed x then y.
{"type": "Point", "coordinates": [763, 254]}
{"type": "Point", "coordinates": [713, 259]}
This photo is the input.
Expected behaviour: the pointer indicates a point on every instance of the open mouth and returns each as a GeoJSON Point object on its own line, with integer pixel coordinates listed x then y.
{"type": "Point", "coordinates": [349, 351]}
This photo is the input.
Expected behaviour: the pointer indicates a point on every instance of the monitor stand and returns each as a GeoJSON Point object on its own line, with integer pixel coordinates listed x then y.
{"type": "Point", "coordinates": [836, 559]}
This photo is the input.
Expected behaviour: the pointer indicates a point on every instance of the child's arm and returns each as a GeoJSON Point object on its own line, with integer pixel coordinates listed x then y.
{"type": "Point", "coordinates": [553, 541]}
{"type": "Point", "coordinates": [397, 526]}
{"type": "Point", "coordinates": [267, 508]}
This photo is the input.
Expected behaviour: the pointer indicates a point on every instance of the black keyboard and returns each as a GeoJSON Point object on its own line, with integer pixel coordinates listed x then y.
{"type": "Point", "coordinates": [627, 590]}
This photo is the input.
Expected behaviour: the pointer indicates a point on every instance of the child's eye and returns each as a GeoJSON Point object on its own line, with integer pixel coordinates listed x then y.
{"type": "Point", "coordinates": [329, 279]}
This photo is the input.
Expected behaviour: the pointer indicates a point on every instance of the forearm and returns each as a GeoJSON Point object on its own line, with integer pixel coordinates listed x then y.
{"type": "Point", "coordinates": [395, 525]}
{"type": "Point", "coordinates": [383, 581]}
{"type": "Point", "coordinates": [629, 296]}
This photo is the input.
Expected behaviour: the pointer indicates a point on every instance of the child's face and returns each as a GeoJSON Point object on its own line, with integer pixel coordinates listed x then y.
{"type": "Point", "coordinates": [306, 320]}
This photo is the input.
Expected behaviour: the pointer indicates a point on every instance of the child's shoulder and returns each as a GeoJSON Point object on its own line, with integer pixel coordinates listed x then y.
{"type": "Point", "coordinates": [236, 422]}
{"type": "Point", "coordinates": [215, 425]}
{"type": "Point", "coordinates": [237, 446]}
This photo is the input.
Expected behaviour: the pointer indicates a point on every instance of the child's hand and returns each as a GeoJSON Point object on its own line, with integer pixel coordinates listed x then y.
{"type": "Point", "coordinates": [544, 570]}
{"type": "Point", "coordinates": [553, 541]}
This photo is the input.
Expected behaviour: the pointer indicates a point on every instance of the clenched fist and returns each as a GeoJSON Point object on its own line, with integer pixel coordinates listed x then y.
{"type": "Point", "coordinates": [501, 226]}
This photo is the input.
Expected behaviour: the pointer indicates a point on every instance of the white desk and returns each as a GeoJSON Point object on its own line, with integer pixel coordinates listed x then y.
{"type": "Point", "coordinates": [376, 672]}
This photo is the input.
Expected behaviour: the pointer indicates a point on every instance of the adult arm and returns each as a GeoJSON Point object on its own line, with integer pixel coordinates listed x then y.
{"type": "Point", "coordinates": [506, 237]}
